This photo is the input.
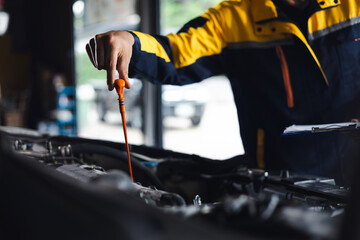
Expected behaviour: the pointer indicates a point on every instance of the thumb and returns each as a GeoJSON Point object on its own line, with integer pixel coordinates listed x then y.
{"type": "Point", "coordinates": [123, 69]}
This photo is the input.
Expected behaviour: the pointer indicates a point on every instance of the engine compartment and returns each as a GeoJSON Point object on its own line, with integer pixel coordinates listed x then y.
{"type": "Point", "coordinates": [226, 195]}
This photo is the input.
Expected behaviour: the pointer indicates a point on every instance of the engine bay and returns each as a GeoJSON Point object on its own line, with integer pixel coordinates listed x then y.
{"type": "Point", "coordinates": [226, 195]}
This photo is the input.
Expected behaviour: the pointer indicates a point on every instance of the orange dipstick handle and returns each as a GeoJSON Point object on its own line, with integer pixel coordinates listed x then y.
{"type": "Point", "coordinates": [119, 86]}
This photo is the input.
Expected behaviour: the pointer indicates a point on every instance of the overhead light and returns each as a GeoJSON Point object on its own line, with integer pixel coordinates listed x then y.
{"type": "Point", "coordinates": [78, 8]}
{"type": "Point", "coordinates": [4, 19]}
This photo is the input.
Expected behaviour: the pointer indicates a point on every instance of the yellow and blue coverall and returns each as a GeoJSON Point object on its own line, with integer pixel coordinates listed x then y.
{"type": "Point", "coordinates": [279, 75]}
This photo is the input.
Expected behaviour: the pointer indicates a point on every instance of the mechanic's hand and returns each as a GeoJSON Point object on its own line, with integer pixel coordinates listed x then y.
{"type": "Point", "coordinates": [354, 134]}
{"type": "Point", "coordinates": [112, 51]}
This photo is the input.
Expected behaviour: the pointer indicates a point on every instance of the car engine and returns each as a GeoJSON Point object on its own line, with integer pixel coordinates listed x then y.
{"type": "Point", "coordinates": [66, 187]}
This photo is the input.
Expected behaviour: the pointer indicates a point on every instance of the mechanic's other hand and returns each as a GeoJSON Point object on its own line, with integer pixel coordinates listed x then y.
{"type": "Point", "coordinates": [112, 51]}
{"type": "Point", "coordinates": [354, 134]}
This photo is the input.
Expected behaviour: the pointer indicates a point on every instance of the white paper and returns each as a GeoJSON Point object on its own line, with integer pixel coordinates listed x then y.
{"type": "Point", "coordinates": [321, 127]}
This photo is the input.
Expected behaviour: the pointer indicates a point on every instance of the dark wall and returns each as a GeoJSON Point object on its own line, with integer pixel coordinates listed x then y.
{"type": "Point", "coordinates": [43, 29]}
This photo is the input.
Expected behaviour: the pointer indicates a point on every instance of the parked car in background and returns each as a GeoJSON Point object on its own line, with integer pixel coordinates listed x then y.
{"type": "Point", "coordinates": [107, 102]}
{"type": "Point", "coordinates": [183, 102]}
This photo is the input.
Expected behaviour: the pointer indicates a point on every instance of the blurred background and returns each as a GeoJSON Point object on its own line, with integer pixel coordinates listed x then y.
{"type": "Point", "coordinates": [49, 84]}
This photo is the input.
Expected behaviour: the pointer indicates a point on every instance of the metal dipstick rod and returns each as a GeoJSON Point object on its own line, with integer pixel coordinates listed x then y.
{"type": "Point", "coordinates": [119, 86]}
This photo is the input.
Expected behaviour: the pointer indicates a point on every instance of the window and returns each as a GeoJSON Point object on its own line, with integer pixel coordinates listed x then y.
{"type": "Point", "coordinates": [98, 113]}
{"type": "Point", "coordinates": [199, 118]}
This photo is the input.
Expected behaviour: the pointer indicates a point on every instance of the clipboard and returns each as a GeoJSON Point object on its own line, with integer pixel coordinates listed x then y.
{"type": "Point", "coordinates": [318, 128]}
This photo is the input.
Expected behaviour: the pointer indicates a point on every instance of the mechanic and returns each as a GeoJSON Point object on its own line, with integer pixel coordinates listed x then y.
{"type": "Point", "coordinates": [288, 62]}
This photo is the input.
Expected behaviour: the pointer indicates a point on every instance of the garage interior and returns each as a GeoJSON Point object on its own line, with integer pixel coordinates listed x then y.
{"type": "Point", "coordinates": [39, 90]}
{"type": "Point", "coordinates": [42, 39]}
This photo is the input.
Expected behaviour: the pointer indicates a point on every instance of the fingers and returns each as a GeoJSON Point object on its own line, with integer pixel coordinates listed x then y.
{"type": "Point", "coordinates": [121, 64]}
{"type": "Point", "coordinates": [127, 83]}
{"type": "Point", "coordinates": [90, 54]}
{"type": "Point", "coordinates": [111, 70]}
{"type": "Point", "coordinates": [101, 51]}
{"type": "Point", "coordinates": [123, 67]}
{"type": "Point", "coordinates": [93, 50]}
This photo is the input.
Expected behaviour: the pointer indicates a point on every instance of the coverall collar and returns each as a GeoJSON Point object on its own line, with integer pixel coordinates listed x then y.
{"type": "Point", "coordinates": [265, 10]}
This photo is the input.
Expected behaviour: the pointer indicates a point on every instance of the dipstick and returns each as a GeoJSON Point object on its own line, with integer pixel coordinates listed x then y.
{"type": "Point", "coordinates": [119, 86]}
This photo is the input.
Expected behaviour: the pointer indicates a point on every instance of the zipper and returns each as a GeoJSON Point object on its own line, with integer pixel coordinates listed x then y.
{"type": "Point", "coordinates": [260, 148]}
{"type": "Point", "coordinates": [286, 76]}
